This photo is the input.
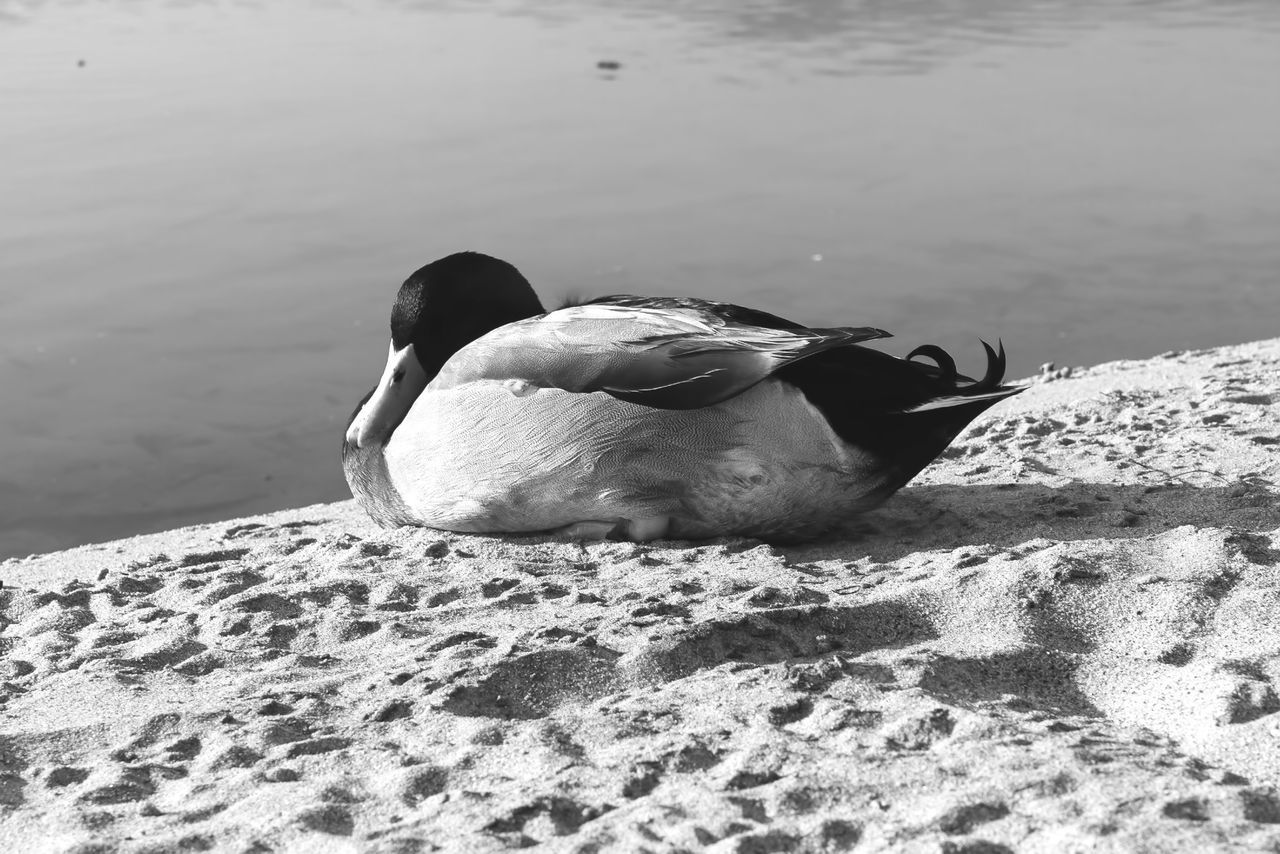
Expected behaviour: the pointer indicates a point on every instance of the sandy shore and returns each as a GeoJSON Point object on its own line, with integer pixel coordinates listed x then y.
{"type": "Point", "coordinates": [1064, 636]}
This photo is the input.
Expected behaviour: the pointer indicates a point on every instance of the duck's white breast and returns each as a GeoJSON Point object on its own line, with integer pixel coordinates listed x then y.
{"type": "Point", "coordinates": [490, 456]}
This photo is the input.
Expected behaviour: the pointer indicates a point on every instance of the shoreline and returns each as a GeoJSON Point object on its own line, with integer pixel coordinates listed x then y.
{"type": "Point", "coordinates": [1063, 635]}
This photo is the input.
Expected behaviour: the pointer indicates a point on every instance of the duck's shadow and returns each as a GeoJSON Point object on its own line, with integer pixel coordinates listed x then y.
{"type": "Point", "coordinates": [1004, 515]}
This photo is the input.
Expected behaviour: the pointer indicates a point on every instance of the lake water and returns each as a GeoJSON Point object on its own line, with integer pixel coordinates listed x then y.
{"type": "Point", "coordinates": [206, 208]}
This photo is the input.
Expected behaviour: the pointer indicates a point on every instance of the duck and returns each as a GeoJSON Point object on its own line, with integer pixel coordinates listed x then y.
{"type": "Point", "coordinates": [640, 417]}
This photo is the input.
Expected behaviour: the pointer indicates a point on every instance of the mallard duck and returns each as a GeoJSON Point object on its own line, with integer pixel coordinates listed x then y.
{"type": "Point", "coordinates": [639, 417]}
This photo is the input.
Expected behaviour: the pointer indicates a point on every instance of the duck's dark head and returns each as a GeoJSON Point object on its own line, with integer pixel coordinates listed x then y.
{"type": "Point", "coordinates": [439, 310]}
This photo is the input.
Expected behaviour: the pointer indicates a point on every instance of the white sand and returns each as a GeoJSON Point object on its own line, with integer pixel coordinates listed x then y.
{"type": "Point", "coordinates": [1065, 636]}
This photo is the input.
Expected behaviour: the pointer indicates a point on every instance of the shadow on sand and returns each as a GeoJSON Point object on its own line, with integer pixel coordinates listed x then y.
{"type": "Point", "coordinates": [1004, 515]}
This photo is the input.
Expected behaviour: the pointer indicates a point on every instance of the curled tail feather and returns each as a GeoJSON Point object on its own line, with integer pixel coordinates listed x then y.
{"type": "Point", "coordinates": [963, 385]}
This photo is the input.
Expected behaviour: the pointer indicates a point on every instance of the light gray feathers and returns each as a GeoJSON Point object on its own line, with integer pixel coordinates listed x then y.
{"type": "Point", "coordinates": [662, 358]}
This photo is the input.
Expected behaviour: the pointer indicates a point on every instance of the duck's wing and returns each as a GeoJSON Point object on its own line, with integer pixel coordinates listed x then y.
{"type": "Point", "coordinates": [721, 312]}
{"type": "Point", "coordinates": [664, 353]}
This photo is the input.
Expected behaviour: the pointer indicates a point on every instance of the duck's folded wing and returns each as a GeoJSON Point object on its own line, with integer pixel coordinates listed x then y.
{"type": "Point", "coordinates": [678, 372]}
{"type": "Point", "coordinates": [665, 360]}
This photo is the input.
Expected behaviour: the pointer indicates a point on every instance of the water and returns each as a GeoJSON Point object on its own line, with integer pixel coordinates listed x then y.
{"type": "Point", "coordinates": [202, 226]}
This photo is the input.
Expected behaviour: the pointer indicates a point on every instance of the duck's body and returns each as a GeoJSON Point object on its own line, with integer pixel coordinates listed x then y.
{"type": "Point", "coordinates": [639, 417]}
{"type": "Point", "coordinates": [761, 462]}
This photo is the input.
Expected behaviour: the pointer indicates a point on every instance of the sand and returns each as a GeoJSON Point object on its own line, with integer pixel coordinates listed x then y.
{"type": "Point", "coordinates": [1064, 636]}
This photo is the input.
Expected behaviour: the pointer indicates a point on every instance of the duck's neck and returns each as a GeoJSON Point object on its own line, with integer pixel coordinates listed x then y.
{"type": "Point", "coordinates": [370, 482]}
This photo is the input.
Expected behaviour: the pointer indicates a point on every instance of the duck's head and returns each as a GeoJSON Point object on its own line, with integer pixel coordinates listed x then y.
{"type": "Point", "coordinates": [439, 310]}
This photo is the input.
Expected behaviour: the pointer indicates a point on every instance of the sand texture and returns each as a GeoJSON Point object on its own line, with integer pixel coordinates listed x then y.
{"type": "Point", "coordinates": [1064, 636]}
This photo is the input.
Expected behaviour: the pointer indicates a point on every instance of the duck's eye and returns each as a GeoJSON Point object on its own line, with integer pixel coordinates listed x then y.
{"type": "Point", "coordinates": [397, 376]}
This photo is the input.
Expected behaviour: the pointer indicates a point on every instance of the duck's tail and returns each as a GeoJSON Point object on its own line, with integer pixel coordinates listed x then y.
{"type": "Point", "coordinates": [901, 413]}
{"type": "Point", "coordinates": [925, 428]}
{"type": "Point", "coordinates": [963, 391]}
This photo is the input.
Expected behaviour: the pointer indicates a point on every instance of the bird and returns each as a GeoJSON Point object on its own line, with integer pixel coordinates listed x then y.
{"type": "Point", "coordinates": [640, 417]}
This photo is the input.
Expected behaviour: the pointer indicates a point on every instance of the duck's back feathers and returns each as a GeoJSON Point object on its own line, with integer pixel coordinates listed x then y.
{"type": "Point", "coordinates": [726, 312]}
{"type": "Point", "coordinates": [665, 354]}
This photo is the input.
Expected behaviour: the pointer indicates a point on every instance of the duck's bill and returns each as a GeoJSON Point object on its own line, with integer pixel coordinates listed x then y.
{"type": "Point", "coordinates": [401, 383]}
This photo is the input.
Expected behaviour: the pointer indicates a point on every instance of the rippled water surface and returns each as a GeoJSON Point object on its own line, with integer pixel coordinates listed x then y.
{"type": "Point", "coordinates": [206, 208]}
